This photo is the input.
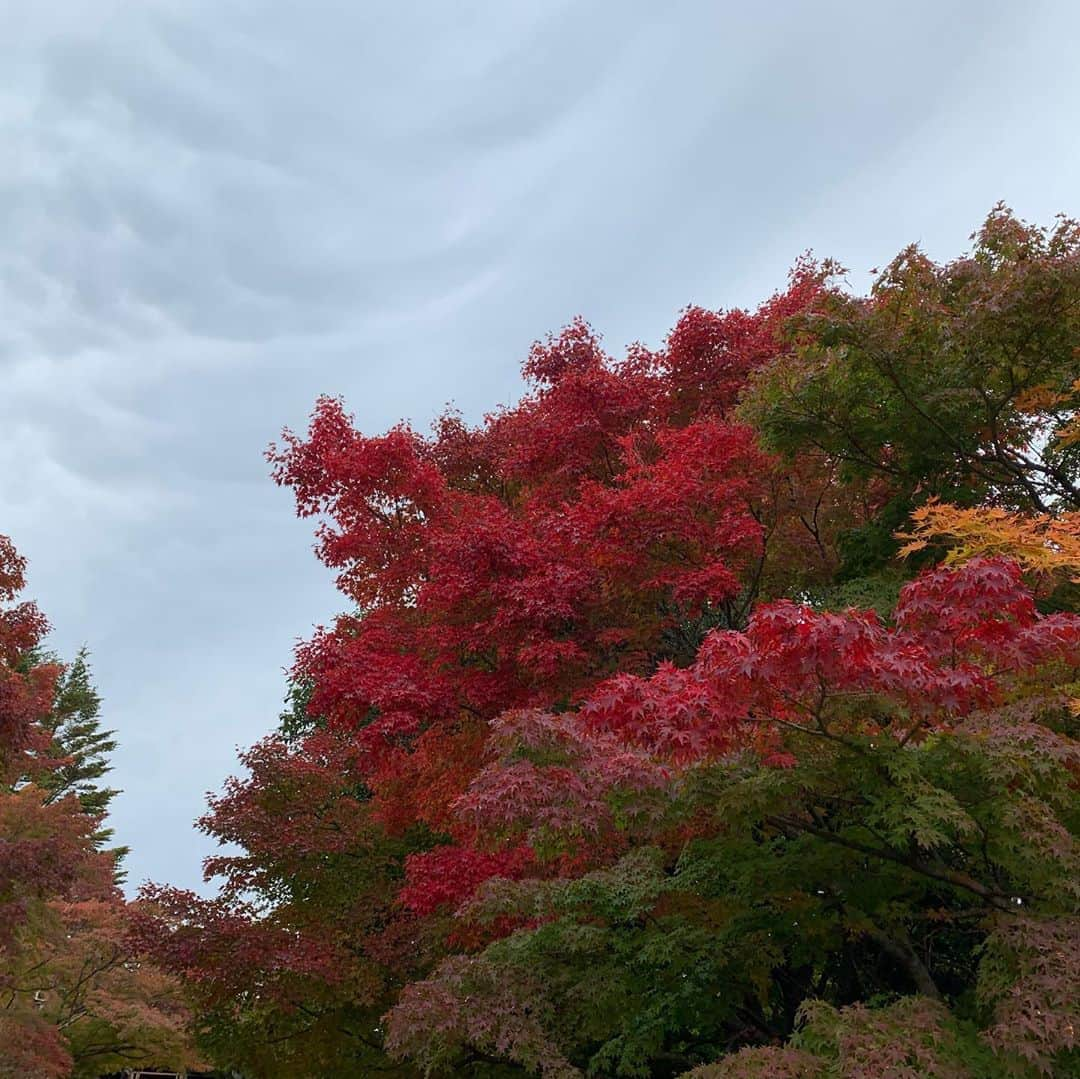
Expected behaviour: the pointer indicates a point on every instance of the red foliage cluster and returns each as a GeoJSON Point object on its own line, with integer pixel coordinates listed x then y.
{"type": "Point", "coordinates": [791, 668]}
{"type": "Point", "coordinates": [551, 773]}
{"type": "Point", "coordinates": [219, 942]}
{"type": "Point", "coordinates": [519, 564]}
{"type": "Point", "coordinates": [25, 694]}
{"type": "Point", "coordinates": [1038, 1013]}
{"type": "Point", "coordinates": [447, 875]}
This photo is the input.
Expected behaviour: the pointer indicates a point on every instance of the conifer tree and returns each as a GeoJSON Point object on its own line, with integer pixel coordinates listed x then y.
{"type": "Point", "coordinates": [83, 747]}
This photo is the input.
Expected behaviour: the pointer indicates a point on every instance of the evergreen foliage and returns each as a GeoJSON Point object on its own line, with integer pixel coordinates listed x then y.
{"type": "Point", "coordinates": [82, 747]}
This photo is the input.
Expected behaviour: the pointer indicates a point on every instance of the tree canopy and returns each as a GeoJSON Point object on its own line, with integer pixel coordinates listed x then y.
{"type": "Point", "coordinates": [77, 998]}
{"type": "Point", "coordinates": [642, 748]}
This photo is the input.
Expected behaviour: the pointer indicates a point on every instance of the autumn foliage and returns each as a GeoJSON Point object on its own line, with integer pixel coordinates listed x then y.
{"type": "Point", "coordinates": [76, 998]}
{"type": "Point", "coordinates": [642, 748]}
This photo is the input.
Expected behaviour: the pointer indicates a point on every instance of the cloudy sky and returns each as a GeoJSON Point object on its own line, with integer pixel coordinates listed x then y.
{"type": "Point", "coordinates": [215, 210]}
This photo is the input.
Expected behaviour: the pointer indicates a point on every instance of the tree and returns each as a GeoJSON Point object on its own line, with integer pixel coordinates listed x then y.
{"type": "Point", "coordinates": [46, 848]}
{"type": "Point", "coordinates": [600, 525]}
{"type": "Point", "coordinates": [295, 963]}
{"type": "Point", "coordinates": [956, 381]}
{"type": "Point", "coordinates": [75, 998]}
{"type": "Point", "coordinates": [78, 975]}
{"type": "Point", "coordinates": [637, 751]}
{"type": "Point", "coordinates": [822, 808]}
{"type": "Point", "coordinates": [82, 748]}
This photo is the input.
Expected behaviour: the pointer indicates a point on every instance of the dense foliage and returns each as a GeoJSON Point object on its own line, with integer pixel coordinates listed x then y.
{"type": "Point", "coordinates": [75, 997]}
{"type": "Point", "coordinates": [642, 751]}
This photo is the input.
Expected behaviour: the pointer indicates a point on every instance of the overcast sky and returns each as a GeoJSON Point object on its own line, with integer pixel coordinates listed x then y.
{"type": "Point", "coordinates": [214, 211]}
